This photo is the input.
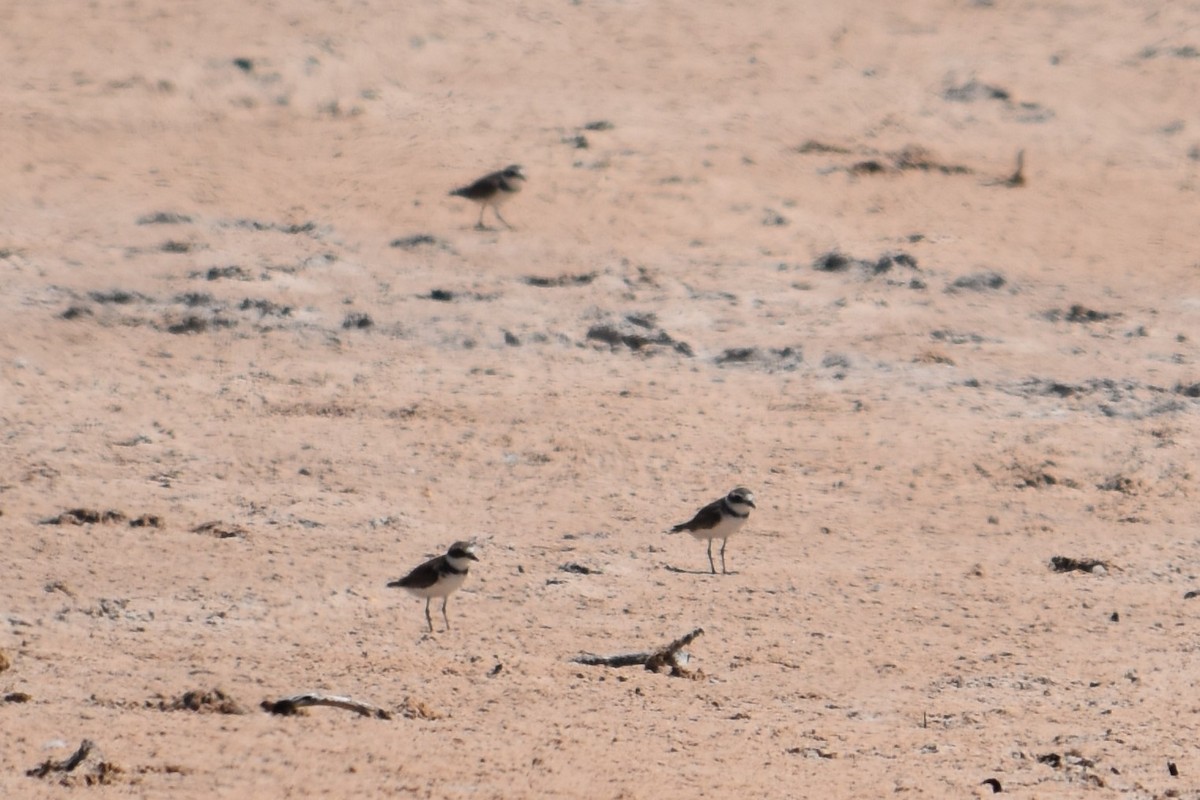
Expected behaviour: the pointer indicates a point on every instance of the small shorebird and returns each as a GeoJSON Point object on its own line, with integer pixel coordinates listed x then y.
{"type": "Point", "coordinates": [720, 519]}
{"type": "Point", "coordinates": [492, 190]}
{"type": "Point", "coordinates": [439, 577]}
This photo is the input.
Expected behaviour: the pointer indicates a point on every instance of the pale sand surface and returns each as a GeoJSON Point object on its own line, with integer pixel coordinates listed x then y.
{"type": "Point", "coordinates": [893, 627]}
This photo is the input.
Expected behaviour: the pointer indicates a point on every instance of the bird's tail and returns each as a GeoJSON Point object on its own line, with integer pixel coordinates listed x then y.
{"type": "Point", "coordinates": [396, 584]}
{"type": "Point", "coordinates": [678, 528]}
{"type": "Point", "coordinates": [459, 193]}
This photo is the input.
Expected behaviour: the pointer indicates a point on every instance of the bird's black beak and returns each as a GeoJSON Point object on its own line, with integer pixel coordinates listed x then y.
{"type": "Point", "coordinates": [472, 556]}
{"type": "Point", "coordinates": [751, 504]}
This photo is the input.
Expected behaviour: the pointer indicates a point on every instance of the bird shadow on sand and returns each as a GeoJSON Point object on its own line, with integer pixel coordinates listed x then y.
{"type": "Point", "coordinates": [682, 571]}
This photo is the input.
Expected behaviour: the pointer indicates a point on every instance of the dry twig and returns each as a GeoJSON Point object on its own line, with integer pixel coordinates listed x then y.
{"type": "Point", "coordinates": [653, 660]}
{"type": "Point", "coordinates": [98, 772]}
{"type": "Point", "coordinates": [290, 705]}
{"type": "Point", "coordinates": [1017, 179]}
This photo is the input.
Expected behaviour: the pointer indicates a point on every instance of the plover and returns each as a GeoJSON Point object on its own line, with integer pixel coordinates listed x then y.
{"type": "Point", "coordinates": [720, 519]}
{"type": "Point", "coordinates": [492, 190]}
{"type": "Point", "coordinates": [440, 576]}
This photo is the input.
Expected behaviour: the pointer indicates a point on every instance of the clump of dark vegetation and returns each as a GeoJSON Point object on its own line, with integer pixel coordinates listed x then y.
{"type": "Point", "coordinates": [448, 296]}
{"type": "Point", "coordinates": [582, 279]}
{"type": "Point", "coordinates": [836, 261]}
{"type": "Point", "coordinates": [1127, 399]}
{"type": "Point", "coordinates": [1186, 51]}
{"type": "Point", "coordinates": [357, 320]}
{"type": "Point", "coordinates": [74, 312]}
{"type": "Point", "coordinates": [85, 516]}
{"type": "Point", "coordinates": [1079, 314]}
{"type": "Point", "coordinates": [896, 267]}
{"type": "Point", "coordinates": [416, 240]}
{"type": "Point", "coordinates": [952, 337]}
{"type": "Point", "coordinates": [770, 359]}
{"type": "Point", "coordinates": [193, 323]}
{"type": "Point", "coordinates": [773, 219]}
{"type": "Point", "coordinates": [973, 91]}
{"type": "Point", "coordinates": [265, 307]}
{"type": "Point", "coordinates": [639, 333]}
{"type": "Point", "coordinates": [978, 282]}
{"type": "Point", "coordinates": [92, 516]}
{"type": "Point", "coordinates": [119, 297]}
{"type": "Point", "coordinates": [217, 273]}
{"type": "Point", "coordinates": [813, 146]}
{"type": "Point", "coordinates": [257, 225]}
{"type": "Point", "coordinates": [915, 157]}
{"type": "Point", "coordinates": [1122, 484]}
{"type": "Point", "coordinates": [912, 158]}
{"type": "Point", "coordinates": [194, 299]}
{"type": "Point", "coordinates": [164, 218]}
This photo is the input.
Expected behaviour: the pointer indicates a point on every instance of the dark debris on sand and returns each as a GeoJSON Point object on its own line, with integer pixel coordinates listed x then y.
{"type": "Point", "coordinates": [639, 333]}
{"type": "Point", "coordinates": [896, 267]}
{"type": "Point", "coordinates": [769, 358]}
{"type": "Point", "coordinates": [212, 701]}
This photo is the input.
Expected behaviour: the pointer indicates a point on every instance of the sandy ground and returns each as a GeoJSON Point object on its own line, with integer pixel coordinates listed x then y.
{"type": "Point", "coordinates": [236, 292]}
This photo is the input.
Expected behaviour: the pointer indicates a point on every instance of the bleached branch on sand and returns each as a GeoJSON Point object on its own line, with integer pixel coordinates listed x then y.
{"type": "Point", "coordinates": [66, 765]}
{"type": "Point", "coordinates": [85, 767]}
{"type": "Point", "coordinates": [653, 660]}
{"type": "Point", "coordinates": [290, 705]}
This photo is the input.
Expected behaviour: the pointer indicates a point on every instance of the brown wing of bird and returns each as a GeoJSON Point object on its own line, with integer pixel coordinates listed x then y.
{"type": "Point", "coordinates": [481, 189]}
{"type": "Point", "coordinates": [422, 577]}
{"type": "Point", "coordinates": [706, 518]}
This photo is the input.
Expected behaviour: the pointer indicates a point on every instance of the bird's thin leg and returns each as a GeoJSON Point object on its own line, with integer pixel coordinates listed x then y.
{"type": "Point", "coordinates": [711, 565]}
{"type": "Point", "coordinates": [428, 618]}
{"type": "Point", "coordinates": [723, 543]}
{"type": "Point", "coordinates": [479, 226]}
{"type": "Point", "coordinates": [445, 600]}
{"type": "Point", "coordinates": [496, 211]}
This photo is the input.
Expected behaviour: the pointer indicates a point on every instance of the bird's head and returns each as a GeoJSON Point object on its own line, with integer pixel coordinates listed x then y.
{"type": "Point", "coordinates": [740, 498]}
{"type": "Point", "coordinates": [460, 553]}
